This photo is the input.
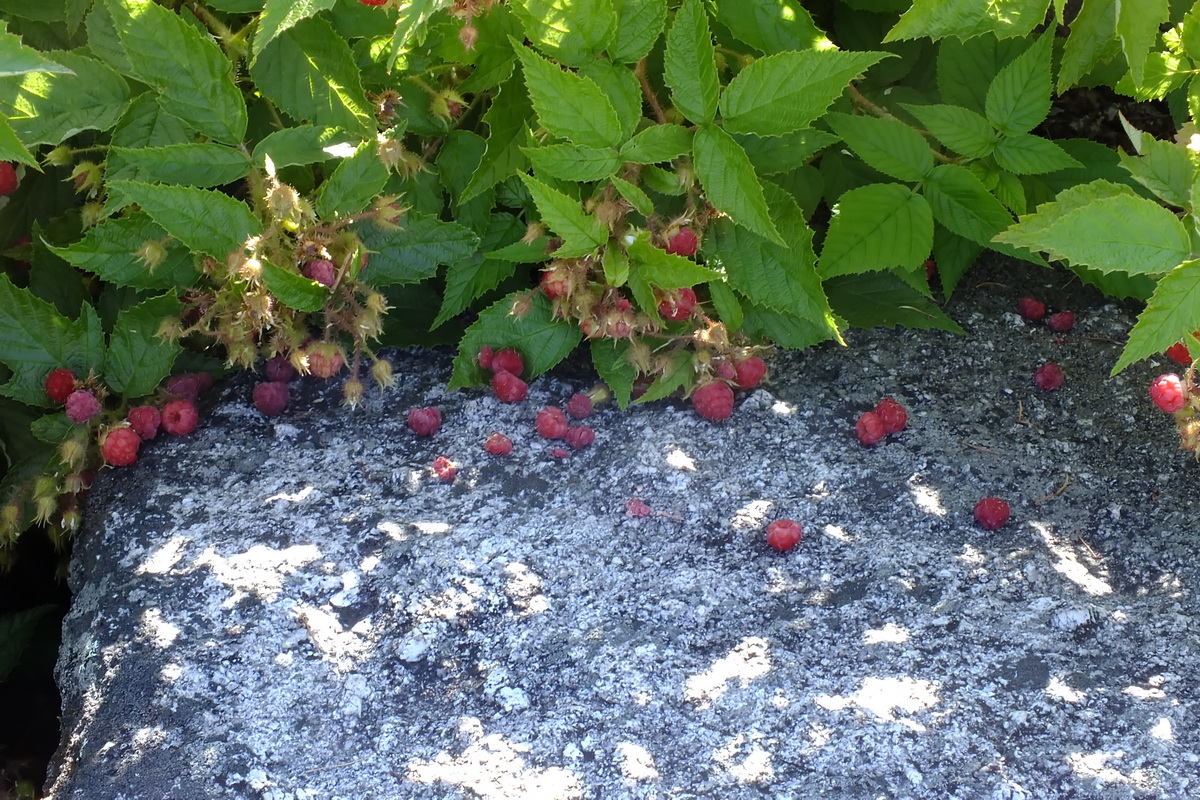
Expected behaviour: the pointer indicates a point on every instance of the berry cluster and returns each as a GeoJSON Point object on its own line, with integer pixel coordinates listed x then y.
{"type": "Point", "coordinates": [888, 417]}
{"type": "Point", "coordinates": [1033, 310]}
{"type": "Point", "coordinates": [714, 399]}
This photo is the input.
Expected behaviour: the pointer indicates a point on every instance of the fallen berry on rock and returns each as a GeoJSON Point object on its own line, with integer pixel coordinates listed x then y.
{"type": "Point", "coordinates": [679, 305]}
{"type": "Point", "coordinates": [784, 534]}
{"type": "Point", "coordinates": [145, 421]}
{"type": "Point", "coordinates": [579, 406]}
{"type": "Point", "coordinates": [498, 444]}
{"type": "Point", "coordinates": [445, 469]}
{"type": "Point", "coordinates": [580, 436]}
{"type": "Point", "coordinates": [1061, 322]}
{"type": "Point", "coordinates": [179, 417]}
{"type": "Point", "coordinates": [749, 372]}
{"type": "Point", "coordinates": [509, 361]}
{"type": "Point", "coordinates": [8, 178]}
{"type": "Point", "coordinates": [1168, 393]}
{"type": "Point", "coordinates": [1179, 353]}
{"type": "Point", "coordinates": [508, 387]}
{"type": "Point", "coordinates": [82, 405]}
{"type": "Point", "coordinates": [1048, 377]}
{"type": "Point", "coordinates": [991, 513]}
{"type": "Point", "coordinates": [634, 507]}
{"type": "Point", "coordinates": [551, 423]}
{"type": "Point", "coordinates": [893, 415]}
{"type": "Point", "coordinates": [1031, 310]}
{"type": "Point", "coordinates": [59, 385]}
{"type": "Point", "coordinates": [278, 368]}
{"type": "Point", "coordinates": [683, 242]}
{"type": "Point", "coordinates": [424, 421]}
{"type": "Point", "coordinates": [713, 400]}
{"type": "Point", "coordinates": [189, 385]}
{"type": "Point", "coordinates": [869, 428]}
{"type": "Point", "coordinates": [120, 447]}
{"type": "Point", "coordinates": [559, 452]}
{"type": "Point", "coordinates": [321, 270]}
{"type": "Point", "coordinates": [271, 398]}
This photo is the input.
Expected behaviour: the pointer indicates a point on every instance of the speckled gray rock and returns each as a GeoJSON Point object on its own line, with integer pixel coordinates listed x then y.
{"type": "Point", "coordinates": [296, 608]}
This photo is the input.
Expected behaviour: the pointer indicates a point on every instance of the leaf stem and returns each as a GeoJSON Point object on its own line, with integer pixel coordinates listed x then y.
{"type": "Point", "coordinates": [648, 91]}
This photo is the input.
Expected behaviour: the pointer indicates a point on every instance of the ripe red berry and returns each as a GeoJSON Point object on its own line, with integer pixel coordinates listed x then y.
{"type": "Point", "coordinates": [1168, 393]}
{"type": "Point", "coordinates": [1061, 322]}
{"type": "Point", "coordinates": [145, 421]}
{"type": "Point", "coordinates": [554, 283]}
{"type": "Point", "coordinates": [424, 421]}
{"type": "Point", "coordinates": [580, 436]}
{"type": "Point", "coordinates": [551, 423]}
{"type": "Point", "coordinates": [784, 534]}
{"type": "Point", "coordinates": [991, 513]}
{"type": "Point", "coordinates": [683, 242]}
{"type": "Point", "coordinates": [120, 447]}
{"type": "Point", "coordinates": [508, 360]}
{"type": "Point", "coordinates": [748, 372]}
{"type": "Point", "coordinates": [445, 469]}
{"type": "Point", "coordinates": [485, 357]}
{"type": "Point", "coordinates": [59, 385]}
{"type": "Point", "coordinates": [508, 387]}
{"type": "Point", "coordinates": [179, 417]}
{"type": "Point", "coordinates": [498, 444]}
{"type": "Point", "coordinates": [579, 406]}
{"type": "Point", "coordinates": [1048, 377]}
{"type": "Point", "coordinates": [893, 415]}
{"type": "Point", "coordinates": [321, 270]}
{"type": "Point", "coordinates": [189, 385]}
{"type": "Point", "coordinates": [635, 507]}
{"type": "Point", "coordinates": [930, 268]}
{"type": "Point", "coordinates": [679, 305]}
{"type": "Point", "coordinates": [1030, 309]}
{"type": "Point", "coordinates": [82, 405]}
{"type": "Point", "coordinates": [870, 428]}
{"type": "Point", "coordinates": [279, 368]}
{"type": "Point", "coordinates": [713, 400]}
{"type": "Point", "coordinates": [1179, 353]}
{"type": "Point", "coordinates": [271, 397]}
{"type": "Point", "coordinates": [8, 178]}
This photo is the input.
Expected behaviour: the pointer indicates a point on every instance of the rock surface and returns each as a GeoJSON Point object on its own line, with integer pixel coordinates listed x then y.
{"type": "Point", "coordinates": [296, 607]}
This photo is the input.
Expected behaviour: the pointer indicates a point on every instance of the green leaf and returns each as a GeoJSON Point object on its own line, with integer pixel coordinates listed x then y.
{"type": "Point", "coordinates": [11, 148]}
{"type": "Point", "coordinates": [409, 26]}
{"type": "Point", "coordinates": [542, 340]}
{"type": "Point", "coordinates": [1163, 73]}
{"type": "Point", "coordinates": [785, 330]}
{"type": "Point", "coordinates": [571, 31]}
{"type": "Point", "coordinates": [788, 91]}
{"type": "Point", "coordinates": [657, 179]}
{"type": "Point", "coordinates": [35, 338]}
{"type": "Point", "coordinates": [657, 144]}
{"type": "Point", "coordinates": [636, 197]}
{"type": "Point", "coordinates": [615, 264]}
{"type": "Point", "coordinates": [665, 270]}
{"type": "Point", "coordinates": [887, 145]}
{"type": "Point", "coordinates": [17, 630]}
{"type": "Point", "coordinates": [298, 146]}
{"type": "Point", "coordinates": [965, 70]}
{"type": "Point", "coordinates": [193, 77]}
{"type": "Point", "coordinates": [1165, 169]}
{"type": "Point", "coordinates": [1032, 226]}
{"type": "Point", "coordinates": [771, 26]}
{"type": "Point", "coordinates": [17, 59]}
{"type": "Point", "coordinates": [279, 15]}
{"type": "Point", "coordinates": [690, 67]}
{"type": "Point", "coordinates": [639, 24]}
{"type": "Point", "coordinates": [201, 165]}
{"type": "Point", "coordinates": [493, 55]}
{"type": "Point", "coordinates": [1019, 97]}
{"type": "Point", "coordinates": [938, 19]}
{"type": "Point", "coordinates": [293, 290]}
{"type": "Point", "coordinates": [725, 301]}
{"type": "Point", "coordinates": [573, 162]}
{"type": "Point", "coordinates": [507, 119]}
{"type": "Point", "coordinates": [729, 181]}
{"type": "Point", "coordinates": [48, 108]}
{"type": "Point", "coordinates": [960, 129]}
{"type": "Point", "coordinates": [961, 203]}
{"type": "Point", "coordinates": [144, 124]}
{"type": "Point", "coordinates": [1026, 154]}
{"type": "Point", "coordinates": [773, 155]}
{"type": "Point", "coordinates": [622, 89]}
{"type": "Point", "coordinates": [138, 360]}
{"type": "Point", "coordinates": [881, 299]}
{"type": "Point", "coordinates": [357, 181]}
{"type": "Point", "coordinates": [471, 278]}
{"type": "Point", "coordinates": [954, 255]}
{"type": "Point", "coordinates": [569, 105]}
{"type": "Point", "coordinates": [415, 251]}
{"type": "Point", "coordinates": [877, 227]}
{"type": "Point", "coordinates": [1137, 28]}
{"type": "Point", "coordinates": [609, 357]}
{"type": "Point", "coordinates": [204, 220]}
{"type": "Point", "coordinates": [581, 233]}
{"type": "Point", "coordinates": [1011, 192]}
{"type": "Point", "coordinates": [1172, 313]}
{"type": "Point", "coordinates": [1093, 39]}
{"type": "Point", "coordinates": [309, 72]}
{"type": "Point", "coordinates": [678, 375]}
{"type": "Point", "coordinates": [109, 251]}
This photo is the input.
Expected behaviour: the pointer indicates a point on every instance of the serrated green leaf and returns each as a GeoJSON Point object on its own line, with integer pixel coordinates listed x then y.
{"type": "Point", "coordinates": [658, 143]}
{"type": "Point", "coordinates": [690, 67]}
{"type": "Point", "coordinates": [493, 55]}
{"type": "Point", "coordinates": [581, 232]}
{"type": "Point", "coordinates": [355, 182]}
{"type": "Point", "coordinates": [965, 69]}
{"type": "Point", "coordinates": [953, 255]}
{"type": "Point", "coordinates": [573, 162]}
{"type": "Point", "coordinates": [409, 26]}
{"type": "Point", "coordinates": [774, 155]}
{"type": "Point", "coordinates": [1019, 97]}
{"type": "Point", "coordinates": [109, 250]}
{"type": "Point", "coordinates": [615, 264]}
{"type": "Point", "coordinates": [414, 252]}
{"type": "Point", "coordinates": [1162, 74]}
{"type": "Point", "coordinates": [784, 330]}
{"type": "Point", "coordinates": [11, 148]}
{"type": "Point", "coordinates": [610, 358]}
{"type": "Point", "coordinates": [727, 306]}
{"type": "Point", "coordinates": [636, 197]}
{"type": "Point", "coordinates": [279, 15]}
{"type": "Point", "coordinates": [961, 203]}
{"type": "Point", "coordinates": [659, 180]}
{"type": "Point", "coordinates": [1189, 35]}
{"type": "Point", "coordinates": [1164, 168]}
{"type": "Point", "coordinates": [138, 360]}
{"type": "Point", "coordinates": [887, 145]}
{"type": "Point", "coordinates": [729, 181]}
{"type": "Point", "coordinates": [193, 77]}
{"type": "Point", "coordinates": [876, 227]}
{"type": "Point", "coordinates": [203, 165]}
{"type": "Point", "coordinates": [679, 375]}
{"type": "Point", "coordinates": [960, 129]}
{"type": "Point", "coordinates": [938, 19]}
{"type": "Point", "coordinates": [569, 105]}
{"type": "Point", "coordinates": [144, 124]}
{"type": "Point", "coordinates": [1011, 192]}
{"type": "Point", "coordinates": [622, 89]}
{"type": "Point", "coordinates": [639, 24]}
{"type": "Point", "coordinates": [571, 31]}
{"type": "Point", "coordinates": [293, 290]}
{"type": "Point", "coordinates": [310, 73]}
{"type": "Point", "coordinates": [665, 270]}
{"type": "Point", "coordinates": [35, 338]}
{"type": "Point", "coordinates": [1032, 226]}
{"type": "Point", "coordinates": [1137, 28]}
{"type": "Point", "coordinates": [1093, 39]}
{"type": "Point", "coordinates": [17, 59]}
{"type": "Point", "coordinates": [48, 108]}
{"type": "Point", "coordinates": [1120, 285]}
{"type": "Point", "coordinates": [1026, 154]}
{"type": "Point", "coordinates": [507, 119]}
{"type": "Point", "coordinates": [52, 428]}
{"type": "Point", "coordinates": [470, 278]}
{"type": "Point", "coordinates": [881, 299]}
{"type": "Point", "coordinates": [788, 91]}
{"type": "Point", "coordinates": [298, 146]}
{"type": "Point", "coordinates": [1171, 313]}
{"type": "Point", "coordinates": [203, 220]}
{"type": "Point", "coordinates": [542, 340]}
{"type": "Point", "coordinates": [643, 295]}
{"type": "Point", "coordinates": [523, 253]}
{"type": "Point", "coordinates": [771, 26]}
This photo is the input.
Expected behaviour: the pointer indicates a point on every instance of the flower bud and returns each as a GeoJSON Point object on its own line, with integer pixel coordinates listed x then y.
{"type": "Point", "coordinates": [59, 157]}
{"type": "Point", "coordinates": [10, 519]}
{"type": "Point", "coordinates": [352, 392]}
{"type": "Point", "coordinates": [44, 508]}
{"type": "Point", "coordinates": [72, 452]}
{"type": "Point", "coordinates": [151, 253]}
{"type": "Point", "coordinates": [381, 371]}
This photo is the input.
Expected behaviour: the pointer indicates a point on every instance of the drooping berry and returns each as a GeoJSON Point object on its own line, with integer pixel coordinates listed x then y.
{"type": "Point", "coordinates": [445, 469]}
{"type": "Point", "coordinates": [120, 447]}
{"type": "Point", "coordinates": [424, 421]}
{"type": "Point", "coordinates": [869, 428]}
{"type": "Point", "coordinates": [321, 270]}
{"type": "Point", "coordinates": [683, 242]}
{"type": "Point", "coordinates": [1179, 353]}
{"type": "Point", "coordinates": [278, 368]}
{"type": "Point", "coordinates": [580, 436]}
{"type": "Point", "coordinates": [189, 385]}
{"type": "Point", "coordinates": [991, 513]}
{"type": "Point", "coordinates": [893, 415]}
{"type": "Point", "coordinates": [1061, 322]}
{"type": "Point", "coordinates": [179, 417]}
{"type": "Point", "coordinates": [748, 372]}
{"type": "Point", "coordinates": [145, 421]}
{"type": "Point", "coordinates": [271, 397]}
{"type": "Point", "coordinates": [784, 534]}
{"type": "Point", "coordinates": [551, 423]}
{"type": "Point", "coordinates": [579, 406]}
{"type": "Point", "coordinates": [1048, 377]}
{"type": "Point", "coordinates": [82, 405]}
{"type": "Point", "coordinates": [325, 359]}
{"type": "Point", "coordinates": [555, 283]}
{"type": "Point", "coordinates": [679, 305]}
{"type": "Point", "coordinates": [485, 357]}
{"type": "Point", "coordinates": [508, 360]}
{"type": "Point", "coordinates": [508, 387]}
{"type": "Point", "coordinates": [498, 444]}
{"type": "Point", "coordinates": [1031, 309]}
{"type": "Point", "coordinates": [8, 178]}
{"type": "Point", "coordinates": [713, 400]}
{"type": "Point", "coordinates": [59, 385]}
{"type": "Point", "coordinates": [1168, 393]}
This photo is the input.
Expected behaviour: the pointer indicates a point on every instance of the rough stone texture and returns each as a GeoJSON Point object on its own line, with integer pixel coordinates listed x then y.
{"type": "Point", "coordinates": [296, 608]}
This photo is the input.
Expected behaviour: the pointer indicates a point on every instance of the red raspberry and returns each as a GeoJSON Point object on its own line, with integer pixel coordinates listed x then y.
{"type": "Point", "coordinates": [930, 268]}
{"type": "Point", "coordinates": [683, 242]}
{"type": "Point", "coordinates": [424, 421]}
{"type": "Point", "coordinates": [82, 405]}
{"type": "Point", "coordinates": [991, 513]}
{"type": "Point", "coordinates": [1168, 393]}
{"type": "Point", "coordinates": [893, 415]}
{"type": "Point", "coordinates": [580, 437]}
{"type": "Point", "coordinates": [551, 423]}
{"type": "Point", "coordinates": [271, 397]}
{"type": "Point", "coordinates": [145, 421]}
{"type": "Point", "coordinates": [59, 385]}
{"type": "Point", "coordinates": [325, 359]}
{"type": "Point", "coordinates": [321, 270]}
{"type": "Point", "coordinates": [445, 469]}
{"type": "Point", "coordinates": [579, 406]}
{"type": "Point", "coordinates": [179, 417]}
{"type": "Point", "coordinates": [749, 371]}
{"type": "Point", "coordinates": [509, 361]}
{"type": "Point", "coordinates": [679, 305]}
{"type": "Point", "coordinates": [1030, 309]}
{"type": "Point", "coordinates": [8, 178]}
{"type": "Point", "coordinates": [869, 428]}
{"type": "Point", "coordinates": [1179, 353]}
{"type": "Point", "coordinates": [1061, 322]}
{"type": "Point", "coordinates": [120, 447]}
{"type": "Point", "coordinates": [634, 507]}
{"type": "Point", "coordinates": [508, 387]}
{"type": "Point", "coordinates": [554, 283]}
{"type": "Point", "coordinates": [485, 357]}
{"type": "Point", "coordinates": [279, 369]}
{"type": "Point", "coordinates": [189, 385]}
{"type": "Point", "coordinates": [498, 444]}
{"type": "Point", "coordinates": [713, 400]}
{"type": "Point", "coordinates": [1048, 377]}
{"type": "Point", "coordinates": [726, 371]}
{"type": "Point", "coordinates": [784, 534]}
